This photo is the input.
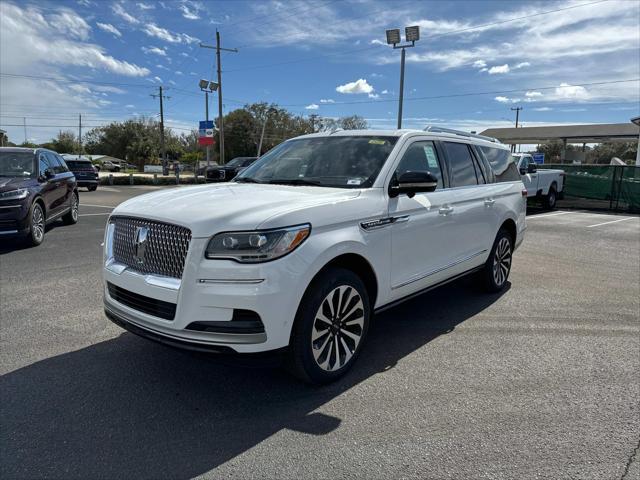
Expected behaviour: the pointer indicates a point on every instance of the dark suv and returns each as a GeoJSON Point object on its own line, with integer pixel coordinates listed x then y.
{"type": "Point", "coordinates": [86, 175]}
{"type": "Point", "coordinates": [36, 188]}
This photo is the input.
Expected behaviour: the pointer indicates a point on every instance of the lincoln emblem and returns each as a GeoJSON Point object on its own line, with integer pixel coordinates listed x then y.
{"type": "Point", "coordinates": [141, 243]}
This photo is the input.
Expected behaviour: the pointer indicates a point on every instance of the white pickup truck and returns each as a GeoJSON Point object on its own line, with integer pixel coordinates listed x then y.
{"type": "Point", "coordinates": [545, 185]}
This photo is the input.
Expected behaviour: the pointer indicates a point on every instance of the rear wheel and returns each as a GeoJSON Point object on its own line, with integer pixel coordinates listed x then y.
{"type": "Point", "coordinates": [36, 225]}
{"type": "Point", "coordinates": [549, 200]}
{"type": "Point", "coordinates": [498, 266]}
{"type": "Point", "coordinates": [72, 217]}
{"type": "Point", "coordinates": [92, 188]}
{"type": "Point", "coordinates": [330, 327]}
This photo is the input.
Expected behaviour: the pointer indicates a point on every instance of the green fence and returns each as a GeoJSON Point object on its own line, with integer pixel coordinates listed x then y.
{"type": "Point", "coordinates": [616, 184]}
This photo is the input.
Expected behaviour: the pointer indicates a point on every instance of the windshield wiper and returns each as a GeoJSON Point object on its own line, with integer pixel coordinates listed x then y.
{"type": "Point", "coordinates": [294, 181]}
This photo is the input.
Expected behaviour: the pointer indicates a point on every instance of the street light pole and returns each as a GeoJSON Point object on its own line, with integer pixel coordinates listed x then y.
{"type": "Point", "coordinates": [411, 34]}
{"type": "Point", "coordinates": [517, 110]}
{"type": "Point", "coordinates": [206, 117]}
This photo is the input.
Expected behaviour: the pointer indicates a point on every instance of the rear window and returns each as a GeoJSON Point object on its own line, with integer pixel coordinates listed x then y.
{"type": "Point", "coordinates": [78, 164]}
{"type": "Point", "coordinates": [461, 166]}
{"type": "Point", "coordinates": [501, 163]}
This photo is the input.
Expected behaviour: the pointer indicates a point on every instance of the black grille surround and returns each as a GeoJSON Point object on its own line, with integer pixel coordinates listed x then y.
{"type": "Point", "coordinates": [165, 252]}
{"type": "Point", "coordinates": [148, 305]}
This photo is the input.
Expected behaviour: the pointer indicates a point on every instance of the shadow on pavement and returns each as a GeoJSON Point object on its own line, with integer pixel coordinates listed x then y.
{"type": "Point", "coordinates": [128, 408]}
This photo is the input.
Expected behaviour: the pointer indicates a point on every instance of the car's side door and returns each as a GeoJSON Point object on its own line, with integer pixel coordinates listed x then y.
{"type": "Point", "coordinates": [47, 180]}
{"type": "Point", "coordinates": [471, 208]}
{"type": "Point", "coordinates": [420, 226]}
{"type": "Point", "coordinates": [58, 182]}
{"type": "Point", "coordinates": [67, 178]}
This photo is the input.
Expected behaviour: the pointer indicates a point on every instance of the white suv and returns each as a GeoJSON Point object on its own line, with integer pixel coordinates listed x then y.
{"type": "Point", "coordinates": [302, 248]}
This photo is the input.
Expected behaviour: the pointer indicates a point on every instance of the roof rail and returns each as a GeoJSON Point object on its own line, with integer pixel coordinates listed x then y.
{"type": "Point", "coordinates": [436, 129]}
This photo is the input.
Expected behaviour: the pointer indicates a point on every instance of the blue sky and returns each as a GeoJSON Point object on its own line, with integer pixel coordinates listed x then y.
{"type": "Point", "coordinates": [104, 58]}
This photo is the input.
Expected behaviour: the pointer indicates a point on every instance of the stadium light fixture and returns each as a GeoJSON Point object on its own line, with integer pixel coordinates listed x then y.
{"type": "Point", "coordinates": [411, 34]}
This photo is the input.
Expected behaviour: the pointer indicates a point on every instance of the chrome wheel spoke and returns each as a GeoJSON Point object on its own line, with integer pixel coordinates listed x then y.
{"type": "Point", "coordinates": [337, 328]}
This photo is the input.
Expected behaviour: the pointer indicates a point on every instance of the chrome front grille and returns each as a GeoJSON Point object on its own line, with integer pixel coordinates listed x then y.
{"type": "Point", "coordinates": [165, 250]}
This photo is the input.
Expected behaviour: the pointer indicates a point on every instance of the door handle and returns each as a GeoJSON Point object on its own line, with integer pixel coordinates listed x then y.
{"type": "Point", "coordinates": [445, 210]}
{"type": "Point", "coordinates": [489, 202]}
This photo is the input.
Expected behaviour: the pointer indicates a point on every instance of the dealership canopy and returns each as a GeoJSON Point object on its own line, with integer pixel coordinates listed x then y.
{"type": "Point", "coordinates": [607, 132]}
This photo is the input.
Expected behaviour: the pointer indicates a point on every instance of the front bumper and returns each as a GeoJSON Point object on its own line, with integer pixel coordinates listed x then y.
{"type": "Point", "coordinates": [14, 218]}
{"type": "Point", "coordinates": [212, 292]}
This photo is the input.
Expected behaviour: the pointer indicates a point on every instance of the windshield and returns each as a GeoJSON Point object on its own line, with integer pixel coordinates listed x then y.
{"type": "Point", "coordinates": [345, 162]}
{"type": "Point", "coordinates": [236, 162]}
{"type": "Point", "coordinates": [17, 164]}
{"type": "Point", "coordinates": [78, 164]}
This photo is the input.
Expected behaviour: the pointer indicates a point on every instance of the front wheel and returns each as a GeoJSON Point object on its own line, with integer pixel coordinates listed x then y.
{"type": "Point", "coordinates": [72, 217]}
{"type": "Point", "coordinates": [92, 188]}
{"type": "Point", "coordinates": [36, 225]}
{"type": "Point", "coordinates": [330, 327]}
{"type": "Point", "coordinates": [498, 266]}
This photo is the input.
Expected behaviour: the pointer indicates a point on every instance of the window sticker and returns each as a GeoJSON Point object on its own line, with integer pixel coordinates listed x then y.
{"type": "Point", "coordinates": [354, 181]}
{"type": "Point", "coordinates": [431, 156]}
{"type": "Point", "coordinates": [374, 141]}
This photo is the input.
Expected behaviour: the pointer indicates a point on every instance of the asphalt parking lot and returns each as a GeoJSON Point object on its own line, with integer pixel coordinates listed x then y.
{"type": "Point", "coordinates": [540, 381]}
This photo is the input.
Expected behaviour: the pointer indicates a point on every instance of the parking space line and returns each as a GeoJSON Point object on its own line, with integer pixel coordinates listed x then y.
{"type": "Point", "coordinates": [91, 214]}
{"type": "Point", "coordinates": [613, 221]}
{"type": "Point", "coordinates": [548, 215]}
{"type": "Point", "coordinates": [97, 206]}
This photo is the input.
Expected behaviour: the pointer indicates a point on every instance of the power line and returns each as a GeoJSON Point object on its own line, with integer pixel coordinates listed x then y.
{"type": "Point", "coordinates": [429, 37]}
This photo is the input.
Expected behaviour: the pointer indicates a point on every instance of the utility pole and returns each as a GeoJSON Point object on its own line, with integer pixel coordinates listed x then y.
{"type": "Point", "coordinates": [165, 169]}
{"type": "Point", "coordinates": [517, 110]}
{"type": "Point", "coordinates": [218, 49]}
{"type": "Point", "coordinates": [24, 121]}
{"type": "Point", "coordinates": [79, 135]}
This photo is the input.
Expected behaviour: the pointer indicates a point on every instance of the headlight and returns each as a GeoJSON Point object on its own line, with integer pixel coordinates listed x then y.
{"type": "Point", "coordinates": [258, 246]}
{"type": "Point", "coordinates": [14, 194]}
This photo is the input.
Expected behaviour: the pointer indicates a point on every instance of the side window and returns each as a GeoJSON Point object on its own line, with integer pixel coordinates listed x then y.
{"type": "Point", "coordinates": [44, 164]}
{"type": "Point", "coordinates": [524, 163]}
{"type": "Point", "coordinates": [461, 164]}
{"type": "Point", "coordinates": [421, 156]}
{"type": "Point", "coordinates": [63, 164]}
{"type": "Point", "coordinates": [502, 163]}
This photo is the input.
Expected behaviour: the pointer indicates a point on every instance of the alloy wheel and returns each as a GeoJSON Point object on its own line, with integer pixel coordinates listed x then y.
{"type": "Point", "coordinates": [502, 261]}
{"type": "Point", "coordinates": [337, 328]}
{"type": "Point", "coordinates": [37, 223]}
{"type": "Point", "coordinates": [74, 208]}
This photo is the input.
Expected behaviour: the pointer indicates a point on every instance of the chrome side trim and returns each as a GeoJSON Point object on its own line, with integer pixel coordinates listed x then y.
{"type": "Point", "coordinates": [383, 222]}
{"type": "Point", "coordinates": [438, 270]}
{"type": "Point", "coordinates": [11, 206]}
{"type": "Point", "coordinates": [8, 232]}
{"type": "Point", "coordinates": [250, 281]}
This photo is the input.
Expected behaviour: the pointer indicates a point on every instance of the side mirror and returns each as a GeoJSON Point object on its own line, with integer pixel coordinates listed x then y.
{"type": "Point", "coordinates": [532, 168]}
{"type": "Point", "coordinates": [523, 171]}
{"type": "Point", "coordinates": [411, 183]}
{"type": "Point", "coordinates": [48, 174]}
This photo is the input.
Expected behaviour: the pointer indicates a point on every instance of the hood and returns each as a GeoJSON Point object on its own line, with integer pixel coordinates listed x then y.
{"type": "Point", "coordinates": [11, 183]}
{"type": "Point", "coordinates": [209, 209]}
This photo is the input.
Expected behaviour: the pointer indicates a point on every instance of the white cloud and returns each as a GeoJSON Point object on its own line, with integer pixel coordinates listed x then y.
{"type": "Point", "coordinates": [178, 72]}
{"type": "Point", "coordinates": [172, 82]}
{"type": "Point", "coordinates": [375, 41]}
{"type": "Point", "coordinates": [359, 86]}
{"type": "Point", "coordinates": [153, 30]}
{"type": "Point", "coordinates": [119, 10]}
{"type": "Point", "coordinates": [313, 106]}
{"type": "Point", "coordinates": [154, 50]}
{"type": "Point", "coordinates": [107, 27]}
{"type": "Point", "coordinates": [161, 67]}
{"type": "Point", "coordinates": [533, 94]}
{"type": "Point", "coordinates": [479, 64]}
{"type": "Point", "coordinates": [184, 54]}
{"type": "Point", "coordinates": [384, 92]}
{"type": "Point", "coordinates": [129, 106]}
{"type": "Point", "coordinates": [31, 42]}
{"type": "Point", "coordinates": [572, 92]}
{"type": "Point", "coordinates": [522, 65]}
{"type": "Point", "coordinates": [80, 88]}
{"type": "Point", "coordinates": [68, 22]}
{"type": "Point", "coordinates": [190, 10]}
{"type": "Point", "coordinates": [327, 100]}
{"type": "Point", "coordinates": [145, 6]}
{"type": "Point", "coordinates": [502, 99]}
{"type": "Point", "coordinates": [499, 69]}
{"type": "Point", "coordinates": [543, 109]}
{"type": "Point", "coordinates": [373, 95]}
{"type": "Point", "coordinates": [157, 79]}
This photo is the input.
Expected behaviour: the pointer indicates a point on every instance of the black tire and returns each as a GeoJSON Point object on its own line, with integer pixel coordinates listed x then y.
{"type": "Point", "coordinates": [345, 332]}
{"type": "Point", "coordinates": [37, 225]}
{"type": "Point", "coordinates": [496, 270]}
{"type": "Point", "coordinates": [549, 200]}
{"type": "Point", "coordinates": [92, 188]}
{"type": "Point", "coordinates": [72, 217]}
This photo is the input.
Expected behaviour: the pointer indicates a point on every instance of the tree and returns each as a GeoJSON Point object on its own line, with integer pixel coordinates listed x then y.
{"type": "Point", "coordinates": [604, 152]}
{"type": "Point", "coordinates": [65, 142]}
{"type": "Point", "coordinates": [552, 150]}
